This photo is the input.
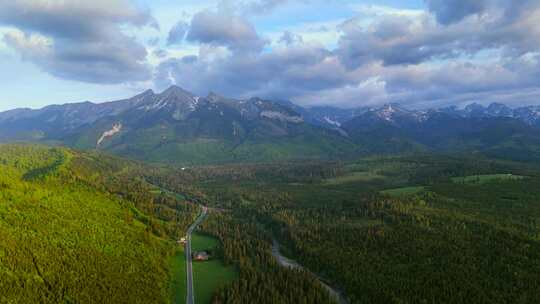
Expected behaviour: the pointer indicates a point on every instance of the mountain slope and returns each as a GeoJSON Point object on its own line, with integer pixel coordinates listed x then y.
{"type": "Point", "coordinates": [65, 239]}
{"type": "Point", "coordinates": [391, 130]}
{"type": "Point", "coordinates": [176, 126]}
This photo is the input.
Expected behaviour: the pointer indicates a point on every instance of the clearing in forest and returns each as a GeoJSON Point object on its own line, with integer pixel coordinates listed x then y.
{"type": "Point", "coordinates": [209, 276]}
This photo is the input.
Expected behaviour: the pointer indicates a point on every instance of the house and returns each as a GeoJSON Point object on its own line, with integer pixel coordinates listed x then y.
{"type": "Point", "coordinates": [200, 256]}
{"type": "Point", "coordinates": [182, 241]}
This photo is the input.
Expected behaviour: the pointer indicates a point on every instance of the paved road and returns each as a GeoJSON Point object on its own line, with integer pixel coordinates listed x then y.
{"type": "Point", "coordinates": [288, 263]}
{"type": "Point", "coordinates": [190, 298]}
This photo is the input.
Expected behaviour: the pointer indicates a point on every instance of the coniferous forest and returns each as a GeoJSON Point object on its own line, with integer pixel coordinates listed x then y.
{"type": "Point", "coordinates": [85, 227]}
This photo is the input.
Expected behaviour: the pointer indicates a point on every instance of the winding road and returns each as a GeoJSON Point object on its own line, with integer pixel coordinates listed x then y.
{"type": "Point", "coordinates": [288, 263]}
{"type": "Point", "coordinates": [190, 297]}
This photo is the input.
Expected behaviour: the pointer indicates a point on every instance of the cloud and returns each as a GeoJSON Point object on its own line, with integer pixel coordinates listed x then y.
{"type": "Point", "coordinates": [224, 29]}
{"type": "Point", "coordinates": [263, 6]}
{"type": "Point", "coordinates": [445, 55]}
{"type": "Point", "coordinates": [313, 75]}
{"type": "Point", "coordinates": [255, 7]}
{"type": "Point", "coordinates": [282, 73]}
{"type": "Point", "coordinates": [455, 51]}
{"type": "Point", "coordinates": [85, 39]}
{"type": "Point", "coordinates": [178, 33]}
{"type": "Point", "coordinates": [451, 11]}
{"type": "Point", "coordinates": [29, 45]}
{"type": "Point", "coordinates": [290, 38]}
{"type": "Point", "coordinates": [160, 53]}
{"type": "Point", "coordinates": [396, 40]}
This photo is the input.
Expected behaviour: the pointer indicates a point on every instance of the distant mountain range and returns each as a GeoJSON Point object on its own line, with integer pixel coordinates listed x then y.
{"type": "Point", "coordinates": [179, 127]}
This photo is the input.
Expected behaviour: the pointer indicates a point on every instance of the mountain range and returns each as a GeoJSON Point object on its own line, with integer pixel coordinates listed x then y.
{"type": "Point", "coordinates": [179, 127]}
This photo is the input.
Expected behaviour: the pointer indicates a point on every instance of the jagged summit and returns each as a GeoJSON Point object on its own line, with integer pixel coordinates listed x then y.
{"type": "Point", "coordinates": [176, 91]}
{"type": "Point", "coordinates": [148, 92]}
{"type": "Point", "coordinates": [178, 124]}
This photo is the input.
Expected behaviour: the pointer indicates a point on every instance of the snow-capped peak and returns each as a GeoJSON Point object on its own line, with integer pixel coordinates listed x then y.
{"type": "Point", "coordinates": [174, 98]}
{"type": "Point", "coordinates": [388, 111]}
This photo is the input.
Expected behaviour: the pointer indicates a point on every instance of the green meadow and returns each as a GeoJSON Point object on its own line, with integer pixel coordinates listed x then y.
{"type": "Point", "coordinates": [210, 275]}
{"type": "Point", "coordinates": [201, 242]}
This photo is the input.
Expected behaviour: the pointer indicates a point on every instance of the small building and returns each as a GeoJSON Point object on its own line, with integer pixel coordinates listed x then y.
{"type": "Point", "coordinates": [182, 241]}
{"type": "Point", "coordinates": [200, 256]}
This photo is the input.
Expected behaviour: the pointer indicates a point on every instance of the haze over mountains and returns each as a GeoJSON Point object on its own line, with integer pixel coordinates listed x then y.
{"type": "Point", "coordinates": [178, 126]}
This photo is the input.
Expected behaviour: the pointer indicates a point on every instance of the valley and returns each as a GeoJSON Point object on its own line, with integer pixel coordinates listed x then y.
{"type": "Point", "coordinates": [378, 229]}
{"type": "Point", "coordinates": [379, 205]}
{"type": "Point", "coordinates": [270, 152]}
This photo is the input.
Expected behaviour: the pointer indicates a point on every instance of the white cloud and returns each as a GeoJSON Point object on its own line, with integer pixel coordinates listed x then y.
{"type": "Point", "coordinates": [30, 46]}
{"type": "Point", "coordinates": [79, 40]}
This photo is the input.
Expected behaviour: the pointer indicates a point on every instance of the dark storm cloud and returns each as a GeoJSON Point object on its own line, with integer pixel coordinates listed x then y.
{"type": "Point", "coordinates": [84, 40]}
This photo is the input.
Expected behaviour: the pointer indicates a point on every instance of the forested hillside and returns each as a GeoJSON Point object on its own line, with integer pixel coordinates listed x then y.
{"type": "Point", "coordinates": [423, 229]}
{"type": "Point", "coordinates": [76, 229]}
{"type": "Point", "coordinates": [90, 228]}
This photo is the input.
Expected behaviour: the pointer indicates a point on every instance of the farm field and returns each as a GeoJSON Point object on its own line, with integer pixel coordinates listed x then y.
{"type": "Point", "coordinates": [210, 275]}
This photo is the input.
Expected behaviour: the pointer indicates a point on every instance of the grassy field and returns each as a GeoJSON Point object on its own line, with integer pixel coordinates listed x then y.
{"type": "Point", "coordinates": [201, 242]}
{"type": "Point", "coordinates": [480, 179]}
{"type": "Point", "coordinates": [178, 277]}
{"type": "Point", "coordinates": [403, 191]}
{"type": "Point", "coordinates": [210, 275]}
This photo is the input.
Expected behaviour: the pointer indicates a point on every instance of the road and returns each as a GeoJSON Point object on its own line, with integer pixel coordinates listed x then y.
{"type": "Point", "coordinates": [288, 263]}
{"type": "Point", "coordinates": [190, 297]}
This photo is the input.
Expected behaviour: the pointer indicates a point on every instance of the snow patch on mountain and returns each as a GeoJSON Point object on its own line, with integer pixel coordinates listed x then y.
{"type": "Point", "coordinates": [160, 104]}
{"type": "Point", "coordinates": [110, 133]}
{"type": "Point", "coordinates": [421, 116]}
{"type": "Point", "coordinates": [386, 112]}
{"type": "Point", "coordinates": [331, 122]}
{"type": "Point", "coordinates": [281, 116]}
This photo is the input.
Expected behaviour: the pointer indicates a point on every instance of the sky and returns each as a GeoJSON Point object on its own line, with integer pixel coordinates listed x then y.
{"type": "Point", "coordinates": [419, 53]}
